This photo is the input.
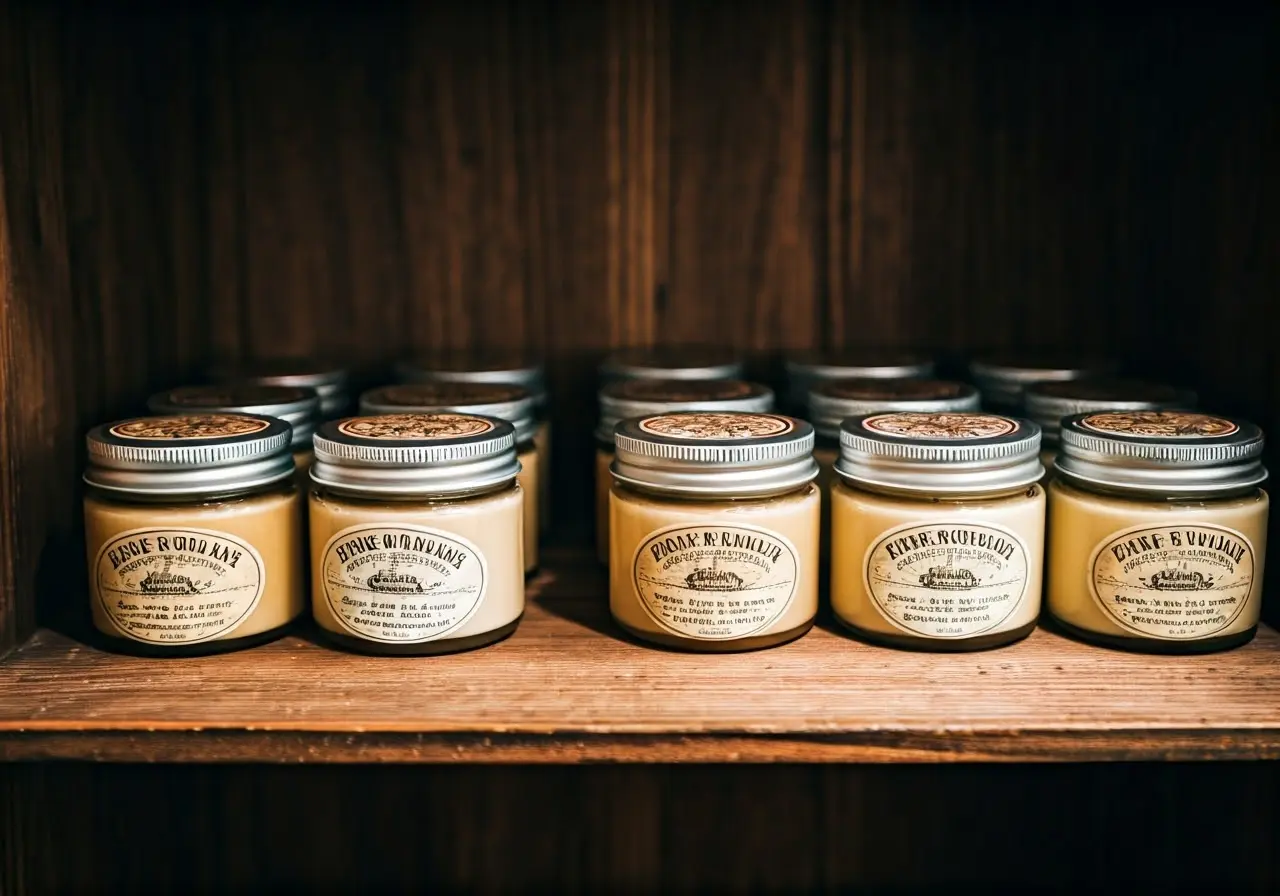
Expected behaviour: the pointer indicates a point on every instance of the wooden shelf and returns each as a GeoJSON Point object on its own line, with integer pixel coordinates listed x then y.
{"type": "Point", "coordinates": [567, 688]}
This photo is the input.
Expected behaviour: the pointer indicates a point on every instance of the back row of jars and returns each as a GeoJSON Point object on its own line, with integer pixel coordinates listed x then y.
{"type": "Point", "coordinates": [1158, 527]}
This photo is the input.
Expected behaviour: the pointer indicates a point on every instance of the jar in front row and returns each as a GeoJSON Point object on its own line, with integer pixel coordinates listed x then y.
{"type": "Point", "coordinates": [831, 402]}
{"type": "Point", "coordinates": [296, 405]}
{"type": "Point", "coordinates": [621, 399]}
{"type": "Point", "coordinates": [194, 533]}
{"type": "Point", "coordinates": [714, 530]}
{"type": "Point", "coordinates": [500, 368]}
{"type": "Point", "coordinates": [1158, 530]}
{"type": "Point", "coordinates": [515, 404]}
{"type": "Point", "coordinates": [937, 530]}
{"type": "Point", "coordinates": [416, 533]}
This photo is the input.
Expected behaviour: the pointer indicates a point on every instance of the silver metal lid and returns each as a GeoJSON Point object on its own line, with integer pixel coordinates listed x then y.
{"type": "Point", "coordinates": [642, 398]}
{"type": "Point", "coordinates": [715, 454]}
{"type": "Point", "coordinates": [189, 455]}
{"type": "Point", "coordinates": [831, 402]}
{"type": "Point", "coordinates": [1002, 378]}
{"type": "Point", "coordinates": [806, 369]}
{"type": "Point", "coordinates": [1163, 454]}
{"type": "Point", "coordinates": [514, 404]}
{"type": "Point", "coordinates": [685, 362]}
{"type": "Point", "coordinates": [947, 454]}
{"type": "Point", "coordinates": [330, 381]}
{"type": "Point", "coordinates": [415, 455]}
{"type": "Point", "coordinates": [512, 368]}
{"type": "Point", "coordinates": [298, 406]}
{"type": "Point", "coordinates": [1048, 403]}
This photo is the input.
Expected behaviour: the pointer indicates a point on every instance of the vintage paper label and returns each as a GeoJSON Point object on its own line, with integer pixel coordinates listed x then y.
{"type": "Point", "coordinates": [1160, 424]}
{"type": "Point", "coordinates": [946, 579]}
{"type": "Point", "coordinates": [190, 426]}
{"type": "Point", "coordinates": [177, 586]}
{"type": "Point", "coordinates": [1175, 582]}
{"type": "Point", "coordinates": [947, 425]}
{"type": "Point", "coordinates": [402, 584]}
{"type": "Point", "coordinates": [713, 582]}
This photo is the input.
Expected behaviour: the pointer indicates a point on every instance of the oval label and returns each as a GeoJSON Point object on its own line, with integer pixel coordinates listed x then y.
{"type": "Point", "coordinates": [946, 579]}
{"type": "Point", "coordinates": [1173, 582]}
{"type": "Point", "coordinates": [402, 584]}
{"type": "Point", "coordinates": [177, 586]}
{"type": "Point", "coordinates": [714, 583]}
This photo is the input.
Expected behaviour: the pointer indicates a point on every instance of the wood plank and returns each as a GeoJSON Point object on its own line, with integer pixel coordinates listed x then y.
{"type": "Point", "coordinates": [566, 688]}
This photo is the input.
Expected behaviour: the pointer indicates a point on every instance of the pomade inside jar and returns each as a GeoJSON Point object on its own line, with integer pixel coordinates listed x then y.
{"type": "Point", "coordinates": [417, 533]}
{"type": "Point", "coordinates": [194, 533]}
{"type": "Point", "coordinates": [700, 560]}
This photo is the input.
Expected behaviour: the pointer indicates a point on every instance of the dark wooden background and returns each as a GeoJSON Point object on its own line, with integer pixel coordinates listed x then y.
{"type": "Point", "coordinates": [569, 176]}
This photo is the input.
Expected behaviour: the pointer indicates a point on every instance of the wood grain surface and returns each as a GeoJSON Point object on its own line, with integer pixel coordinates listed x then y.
{"type": "Point", "coordinates": [567, 687]}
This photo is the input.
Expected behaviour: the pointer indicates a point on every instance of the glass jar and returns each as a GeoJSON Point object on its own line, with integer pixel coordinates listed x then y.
{"type": "Point", "coordinates": [1158, 530]}
{"type": "Point", "coordinates": [514, 404]}
{"type": "Point", "coordinates": [678, 362]}
{"type": "Point", "coordinates": [714, 530]}
{"type": "Point", "coordinates": [1003, 377]}
{"type": "Point", "coordinates": [937, 530]}
{"type": "Point", "coordinates": [193, 531]}
{"type": "Point", "coordinates": [298, 406]}
{"type": "Point", "coordinates": [621, 399]}
{"type": "Point", "coordinates": [830, 402]}
{"type": "Point", "coordinates": [806, 370]}
{"type": "Point", "coordinates": [502, 368]}
{"type": "Point", "coordinates": [331, 382]}
{"type": "Point", "coordinates": [1048, 403]}
{"type": "Point", "coordinates": [416, 537]}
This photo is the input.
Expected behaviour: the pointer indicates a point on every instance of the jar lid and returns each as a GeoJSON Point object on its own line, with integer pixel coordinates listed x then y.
{"type": "Point", "coordinates": [946, 454]}
{"type": "Point", "coordinates": [297, 405]}
{"type": "Point", "coordinates": [1048, 403]}
{"type": "Point", "coordinates": [329, 380]}
{"type": "Point", "coordinates": [831, 402]}
{"type": "Point", "coordinates": [1162, 453]}
{"type": "Point", "coordinates": [428, 455]}
{"type": "Point", "coordinates": [511, 403]}
{"type": "Point", "coordinates": [715, 454]}
{"type": "Point", "coordinates": [643, 398]}
{"type": "Point", "coordinates": [512, 368]}
{"type": "Point", "coordinates": [806, 368]}
{"type": "Point", "coordinates": [188, 455]}
{"type": "Point", "coordinates": [680, 362]}
{"type": "Point", "coordinates": [1003, 377]}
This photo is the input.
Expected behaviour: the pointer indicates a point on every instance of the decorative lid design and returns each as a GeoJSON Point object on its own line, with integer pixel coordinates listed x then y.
{"type": "Point", "coordinates": [1161, 453]}
{"type": "Point", "coordinates": [415, 454]}
{"type": "Point", "coordinates": [184, 455]}
{"type": "Point", "coordinates": [955, 453]}
{"type": "Point", "coordinates": [715, 453]}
